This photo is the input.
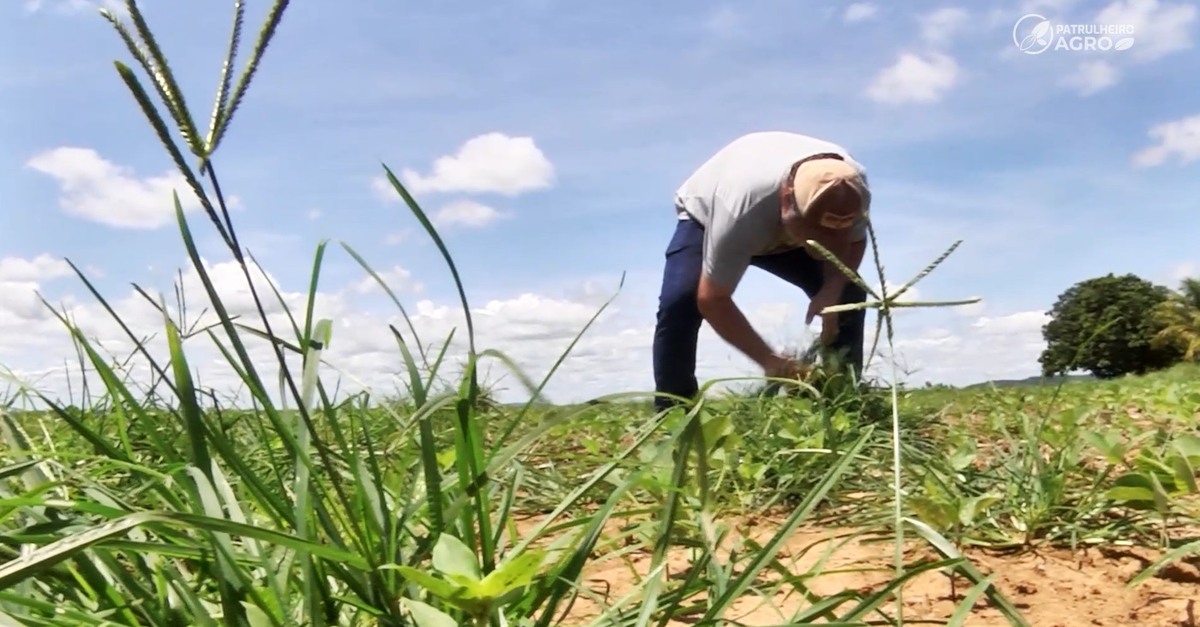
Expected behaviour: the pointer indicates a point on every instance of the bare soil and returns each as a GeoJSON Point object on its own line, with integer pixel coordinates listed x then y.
{"type": "Point", "coordinates": [1051, 587]}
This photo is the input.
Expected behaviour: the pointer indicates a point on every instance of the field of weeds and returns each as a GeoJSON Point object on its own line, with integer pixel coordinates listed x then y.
{"type": "Point", "coordinates": [1048, 506]}
{"type": "Point", "coordinates": [1073, 505]}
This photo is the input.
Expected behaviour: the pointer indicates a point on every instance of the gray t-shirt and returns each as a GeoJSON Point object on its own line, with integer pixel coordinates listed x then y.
{"type": "Point", "coordinates": [735, 197]}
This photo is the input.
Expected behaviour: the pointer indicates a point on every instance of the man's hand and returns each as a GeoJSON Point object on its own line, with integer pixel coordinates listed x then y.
{"type": "Point", "coordinates": [727, 320]}
{"type": "Point", "coordinates": [784, 367]}
{"type": "Point", "coordinates": [827, 297]}
{"type": "Point", "coordinates": [829, 329]}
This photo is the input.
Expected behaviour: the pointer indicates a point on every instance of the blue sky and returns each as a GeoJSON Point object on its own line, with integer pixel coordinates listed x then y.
{"type": "Point", "coordinates": [565, 129]}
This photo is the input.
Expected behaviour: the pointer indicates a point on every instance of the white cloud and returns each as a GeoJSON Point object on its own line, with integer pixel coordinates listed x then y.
{"type": "Point", "coordinates": [1160, 29]}
{"type": "Point", "coordinates": [21, 282]}
{"type": "Point", "coordinates": [971, 310]}
{"type": "Point", "coordinates": [42, 267]}
{"type": "Point", "coordinates": [21, 300]}
{"type": "Point", "coordinates": [235, 294]}
{"type": "Point", "coordinates": [466, 213]}
{"type": "Point", "coordinates": [941, 26]}
{"type": "Point", "coordinates": [383, 190]}
{"type": "Point", "coordinates": [1092, 77]}
{"type": "Point", "coordinates": [313, 214]}
{"type": "Point", "coordinates": [1000, 347]}
{"type": "Point", "coordinates": [1019, 322]}
{"type": "Point", "coordinates": [1173, 274]}
{"type": "Point", "coordinates": [1179, 139]}
{"type": "Point", "coordinates": [1183, 271]}
{"type": "Point", "coordinates": [397, 279]}
{"type": "Point", "coordinates": [95, 189]}
{"type": "Point", "coordinates": [533, 329]}
{"type": "Point", "coordinates": [490, 163]}
{"type": "Point", "coordinates": [860, 11]}
{"type": "Point", "coordinates": [915, 79]}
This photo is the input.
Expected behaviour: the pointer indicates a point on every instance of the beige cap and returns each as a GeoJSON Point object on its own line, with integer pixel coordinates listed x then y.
{"type": "Point", "coordinates": [813, 179]}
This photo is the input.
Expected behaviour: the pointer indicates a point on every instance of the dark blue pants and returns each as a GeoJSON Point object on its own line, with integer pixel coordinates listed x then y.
{"type": "Point", "coordinates": [679, 319]}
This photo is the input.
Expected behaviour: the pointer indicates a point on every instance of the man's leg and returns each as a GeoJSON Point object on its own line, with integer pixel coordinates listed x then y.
{"type": "Point", "coordinates": [803, 271]}
{"type": "Point", "coordinates": [679, 320]}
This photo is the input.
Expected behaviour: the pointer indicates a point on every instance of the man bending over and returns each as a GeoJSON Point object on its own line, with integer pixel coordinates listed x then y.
{"type": "Point", "coordinates": [755, 203]}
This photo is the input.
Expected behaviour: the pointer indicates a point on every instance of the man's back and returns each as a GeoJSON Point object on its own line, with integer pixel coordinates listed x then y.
{"type": "Point", "coordinates": [735, 196]}
{"type": "Point", "coordinates": [747, 172]}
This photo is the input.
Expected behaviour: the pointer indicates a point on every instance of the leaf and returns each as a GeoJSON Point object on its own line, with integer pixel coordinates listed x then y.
{"type": "Point", "coordinates": [512, 575]}
{"type": "Point", "coordinates": [436, 586]}
{"type": "Point", "coordinates": [256, 616]}
{"type": "Point", "coordinates": [1151, 464]}
{"type": "Point", "coordinates": [968, 603]}
{"type": "Point", "coordinates": [1185, 474]}
{"type": "Point", "coordinates": [1188, 446]}
{"type": "Point", "coordinates": [1161, 500]}
{"type": "Point", "coordinates": [716, 429]}
{"type": "Point", "coordinates": [1124, 43]}
{"type": "Point", "coordinates": [1109, 445]}
{"type": "Point", "coordinates": [452, 557]}
{"type": "Point", "coordinates": [963, 456]}
{"type": "Point", "coordinates": [967, 569]}
{"type": "Point", "coordinates": [971, 508]}
{"type": "Point", "coordinates": [1132, 488]}
{"type": "Point", "coordinates": [42, 558]}
{"type": "Point", "coordinates": [1169, 557]}
{"type": "Point", "coordinates": [425, 615]}
{"type": "Point", "coordinates": [934, 513]}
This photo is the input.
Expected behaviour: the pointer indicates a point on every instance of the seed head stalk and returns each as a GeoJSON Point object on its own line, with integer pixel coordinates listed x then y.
{"type": "Point", "coordinates": [885, 301]}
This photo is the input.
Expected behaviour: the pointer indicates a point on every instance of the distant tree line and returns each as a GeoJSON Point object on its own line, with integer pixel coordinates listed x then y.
{"type": "Point", "coordinates": [1114, 325]}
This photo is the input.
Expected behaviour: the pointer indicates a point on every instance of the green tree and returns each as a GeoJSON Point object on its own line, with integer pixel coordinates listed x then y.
{"type": "Point", "coordinates": [1179, 320]}
{"type": "Point", "coordinates": [1106, 326]}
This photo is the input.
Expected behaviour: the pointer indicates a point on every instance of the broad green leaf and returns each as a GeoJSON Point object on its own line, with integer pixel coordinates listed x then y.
{"type": "Point", "coordinates": [256, 616]}
{"type": "Point", "coordinates": [936, 513]}
{"type": "Point", "coordinates": [972, 507]}
{"type": "Point", "coordinates": [452, 557]}
{"type": "Point", "coordinates": [1185, 474]}
{"type": "Point", "coordinates": [425, 615]}
{"type": "Point", "coordinates": [1161, 500]}
{"type": "Point", "coordinates": [512, 575]}
{"type": "Point", "coordinates": [1133, 488]}
{"type": "Point", "coordinates": [1189, 446]}
{"type": "Point", "coordinates": [963, 456]}
{"type": "Point", "coordinates": [436, 586]}
{"type": "Point", "coordinates": [1109, 445]}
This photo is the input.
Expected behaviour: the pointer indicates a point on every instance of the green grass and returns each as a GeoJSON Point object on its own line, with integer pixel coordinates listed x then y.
{"type": "Point", "coordinates": [107, 517]}
{"type": "Point", "coordinates": [172, 510]}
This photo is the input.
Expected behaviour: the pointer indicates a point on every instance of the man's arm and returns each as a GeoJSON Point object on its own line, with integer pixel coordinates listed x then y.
{"type": "Point", "coordinates": [715, 302]}
{"type": "Point", "coordinates": [727, 243]}
{"type": "Point", "coordinates": [852, 257]}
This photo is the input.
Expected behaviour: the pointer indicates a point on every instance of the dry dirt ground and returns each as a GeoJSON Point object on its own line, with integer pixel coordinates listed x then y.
{"type": "Point", "coordinates": [1051, 587]}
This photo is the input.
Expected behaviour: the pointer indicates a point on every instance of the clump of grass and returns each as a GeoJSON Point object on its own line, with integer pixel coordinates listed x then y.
{"type": "Point", "coordinates": [807, 357]}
